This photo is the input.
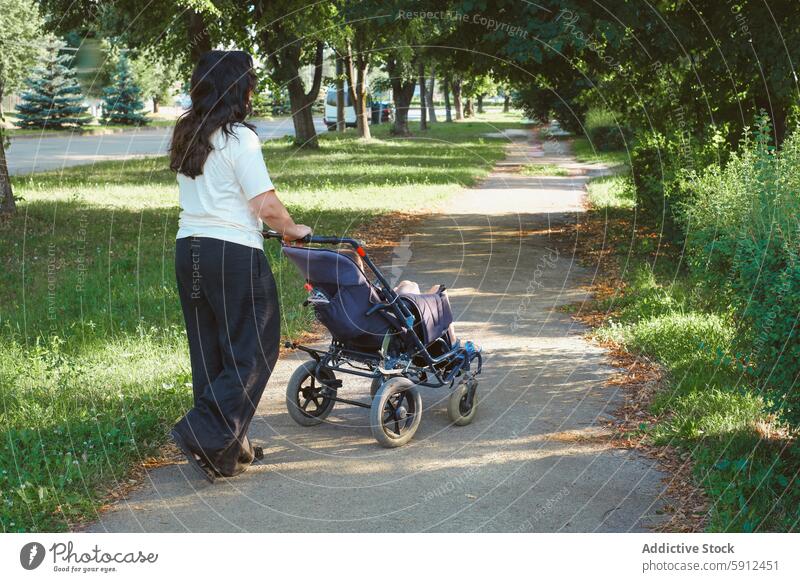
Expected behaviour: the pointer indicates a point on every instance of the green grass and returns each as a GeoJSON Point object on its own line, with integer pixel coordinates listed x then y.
{"type": "Point", "coordinates": [543, 170]}
{"type": "Point", "coordinates": [93, 358]}
{"type": "Point", "coordinates": [709, 407]}
{"type": "Point", "coordinates": [586, 153]}
{"type": "Point", "coordinates": [609, 192]}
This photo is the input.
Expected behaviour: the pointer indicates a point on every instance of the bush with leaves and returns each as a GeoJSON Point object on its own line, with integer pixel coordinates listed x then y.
{"type": "Point", "coordinates": [663, 169]}
{"type": "Point", "coordinates": [606, 132]}
{"type": "Point", "coordinates": [743, 242]}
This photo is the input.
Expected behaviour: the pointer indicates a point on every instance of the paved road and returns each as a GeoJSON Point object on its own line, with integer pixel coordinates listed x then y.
{"type": "Point", "coordinates": [28, 154]}
{"type": "Point", "coordinates": [536, 458]}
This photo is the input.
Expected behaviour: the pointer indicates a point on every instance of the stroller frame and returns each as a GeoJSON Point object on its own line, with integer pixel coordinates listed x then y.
{"type": "Point", "coordinates": [452, 368]}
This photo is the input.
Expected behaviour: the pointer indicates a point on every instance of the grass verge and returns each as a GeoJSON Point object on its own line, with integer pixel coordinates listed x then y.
{"type": "Point", "coordinates": [706, 407]}
{"type": "Point", "coordinates": [93, 357]}
{"type": "Point", "coordinates": [585, 152]}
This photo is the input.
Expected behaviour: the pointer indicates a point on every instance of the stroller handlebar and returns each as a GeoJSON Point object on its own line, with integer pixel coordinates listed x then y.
{"type": "Point", "coordinates": [325, 240]}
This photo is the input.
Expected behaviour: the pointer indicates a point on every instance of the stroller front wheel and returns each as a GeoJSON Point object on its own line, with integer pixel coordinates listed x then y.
{"type": "Point", "coordinates": [461, 405]}
{"type": "Point", "coordinates": [396, 412]}
{"type": "Point", "coordinates": [304, 399]}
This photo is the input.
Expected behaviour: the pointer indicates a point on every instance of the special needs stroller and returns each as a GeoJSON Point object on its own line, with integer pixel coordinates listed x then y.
{"type": "Point", "coordinates": [401, 341]}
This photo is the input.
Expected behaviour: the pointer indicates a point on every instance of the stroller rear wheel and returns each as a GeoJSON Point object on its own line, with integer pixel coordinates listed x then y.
{"type": "Point", "coordinates": [304, 399]}
{"type": "Point", "coordinates": [396, 412]}
{"type": "Point", "coordinates": [461, 405]}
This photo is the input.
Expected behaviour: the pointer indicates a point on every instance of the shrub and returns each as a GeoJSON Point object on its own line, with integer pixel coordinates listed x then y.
{"type": "Point", "coordinates": [605, 131]}
{"type": "Point", "coordinates": [662, 168]}
{"type": "Point", "coordinates": [743, 242]}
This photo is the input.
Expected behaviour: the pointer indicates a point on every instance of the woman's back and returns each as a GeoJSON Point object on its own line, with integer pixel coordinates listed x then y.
{"type": "Point", "coordinates": [215, 203]}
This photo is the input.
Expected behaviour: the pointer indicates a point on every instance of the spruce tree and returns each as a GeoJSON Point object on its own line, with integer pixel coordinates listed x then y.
{"type": "Point", "coordinates": [53, 99]}
{"type": "Point", "coordinates": [122, 102]}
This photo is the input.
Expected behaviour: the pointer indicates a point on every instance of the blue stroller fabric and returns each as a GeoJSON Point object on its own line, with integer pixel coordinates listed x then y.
{"type": "Point", "coordinates": [433, 314]}
{"type": "Point", "coordinates": [351, 295]}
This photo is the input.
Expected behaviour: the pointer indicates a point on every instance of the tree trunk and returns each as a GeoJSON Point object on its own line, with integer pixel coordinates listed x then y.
{"type": "Point", "coordinates": [457, 99]}
{"type": "Point", "coordinates": [468, 112]}
{"type": "Point", "coordinates": [340, 121]}
{"type": "Point", "coordinates": [448, 115]}
{"type": "Point", "coordinates": [361, 96]}
{"type": "Point", "coordinates": [402, 93]}
{"type": "Point", "coordinates": [288, 69]}
{"type": "Point", "coordinates": [155, 104]}
{"type": "Point", "coordinates": [431, 104]}
{"type": "Point", "coordinates": [507, 103]}
{"type": "Point", "coordinates": [357, 87]}
{"type": "Point", "coordinates": [480, 103]}
{"type": "Point", "coordinates": [305, 134]}
{"type": "Point", "coordinates": [7, 204]}
{"type": "Point", "coordinates": [423, 104]}
{"type": "Point", "coordinates": [199, 40]}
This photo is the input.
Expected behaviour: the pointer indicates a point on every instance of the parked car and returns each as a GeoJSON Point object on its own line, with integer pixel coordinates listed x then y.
{"type": "Point", "coordinates": [379, 111]}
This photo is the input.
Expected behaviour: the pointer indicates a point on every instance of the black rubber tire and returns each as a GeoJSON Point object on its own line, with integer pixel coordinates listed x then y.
{"type": "Point", "coordinates": [456, 406]}
{"type": "Point", "coordinates": [299, 381]}
{"type": "Point", "coordinates": [393, 393]}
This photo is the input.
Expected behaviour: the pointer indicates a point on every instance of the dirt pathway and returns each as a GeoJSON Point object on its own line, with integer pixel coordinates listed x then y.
{"type": "Point", "coordinates": [537, 457]}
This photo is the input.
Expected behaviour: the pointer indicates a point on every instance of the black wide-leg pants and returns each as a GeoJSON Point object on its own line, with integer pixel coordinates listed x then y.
{"type": "Point", "coordinates": [230, 305]}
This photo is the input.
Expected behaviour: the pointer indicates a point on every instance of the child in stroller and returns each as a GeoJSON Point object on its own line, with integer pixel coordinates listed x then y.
{"type": "Point", "coordinates": [399, 339]}
{"type": "Point", "coordinates": [404, 287]}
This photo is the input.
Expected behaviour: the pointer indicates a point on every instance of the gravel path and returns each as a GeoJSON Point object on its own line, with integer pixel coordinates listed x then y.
{"type": "Point", "coordinates": [537, 457]}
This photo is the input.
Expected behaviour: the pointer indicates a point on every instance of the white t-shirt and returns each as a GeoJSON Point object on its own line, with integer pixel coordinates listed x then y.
{"type": "Point", "coordinates": [215, 203]}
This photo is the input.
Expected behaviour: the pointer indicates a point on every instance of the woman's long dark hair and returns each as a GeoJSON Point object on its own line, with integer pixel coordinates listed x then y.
{"type": "Point", "coordinates": [221, 84]}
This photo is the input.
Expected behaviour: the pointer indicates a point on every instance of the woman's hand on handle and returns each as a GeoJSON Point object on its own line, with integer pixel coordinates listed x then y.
{"type": "Point", "coordinates": [296, 233]}
{"type": "Point", "coordinates": [271, 210]}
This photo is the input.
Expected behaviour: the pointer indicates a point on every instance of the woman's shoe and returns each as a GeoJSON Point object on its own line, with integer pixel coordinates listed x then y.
{"type": "Point", "coordinates": [197, 464]}
{"type": "Point", "coordinates": [258, 455]}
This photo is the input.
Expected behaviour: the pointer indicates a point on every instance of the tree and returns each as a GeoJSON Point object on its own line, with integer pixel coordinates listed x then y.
{"type": "Point", "coordinates": [20, 34]}
{"type": "Point", "coordinates": [457, 98]}
{"type": "Point", "coordinates": [289, 37]}
{"type": "Point", "coordinates": [122, 103]}
{"type": "Point", "coordinates": [357, 86]}
{"type": "Point", "coordinates": [155, 76]}
{"type": "Point", "coordinates": [178, 31]}
{"type": "Point", "coordinates": [477, 87]}
{"type": "Point", "coordinates": [400, 67]}
{"type": "Point", "coordinates": [54, 99]}
{"type": "Point", "coordinates": [448, 114]}
{"type": "Point", "coordinates": [423, 103]}
{"type": "Point", "coordinates": [341, 123]}
{"type": "Point", "coordinates": [431, 103]}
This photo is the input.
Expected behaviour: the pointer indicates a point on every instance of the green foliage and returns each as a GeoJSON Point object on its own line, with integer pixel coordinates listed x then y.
{"type": "Point", "coordinates": [585, 152]}
{"type": "Point", "coordinates": [20, 42]}
{"type": "Point", "coordinates": [708, 406]}
{"type": "Point", "coordinates": [662, 166]}
{"type": "Point", "coordinates": [53, 99]}
{"type": "Point", "coordinates": [608, 192]}
{"type": "Point", "coordinates": [122, 104]}
{"type": "Point", "coordinates": [156, 76]}
{"type": "Point", "coordinates": [606, 132]}
{"type": "Point", "coordinates": [541, 102]}
{"type": "Point", "coordinates": [743, 241]}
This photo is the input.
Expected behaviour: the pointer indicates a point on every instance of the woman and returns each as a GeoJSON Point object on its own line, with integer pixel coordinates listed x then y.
{"type": "Point", "coordinates": [226, 288]}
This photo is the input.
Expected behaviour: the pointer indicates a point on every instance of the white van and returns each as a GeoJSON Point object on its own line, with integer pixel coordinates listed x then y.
{"type": "Point", "coordinates": [350, 111]}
